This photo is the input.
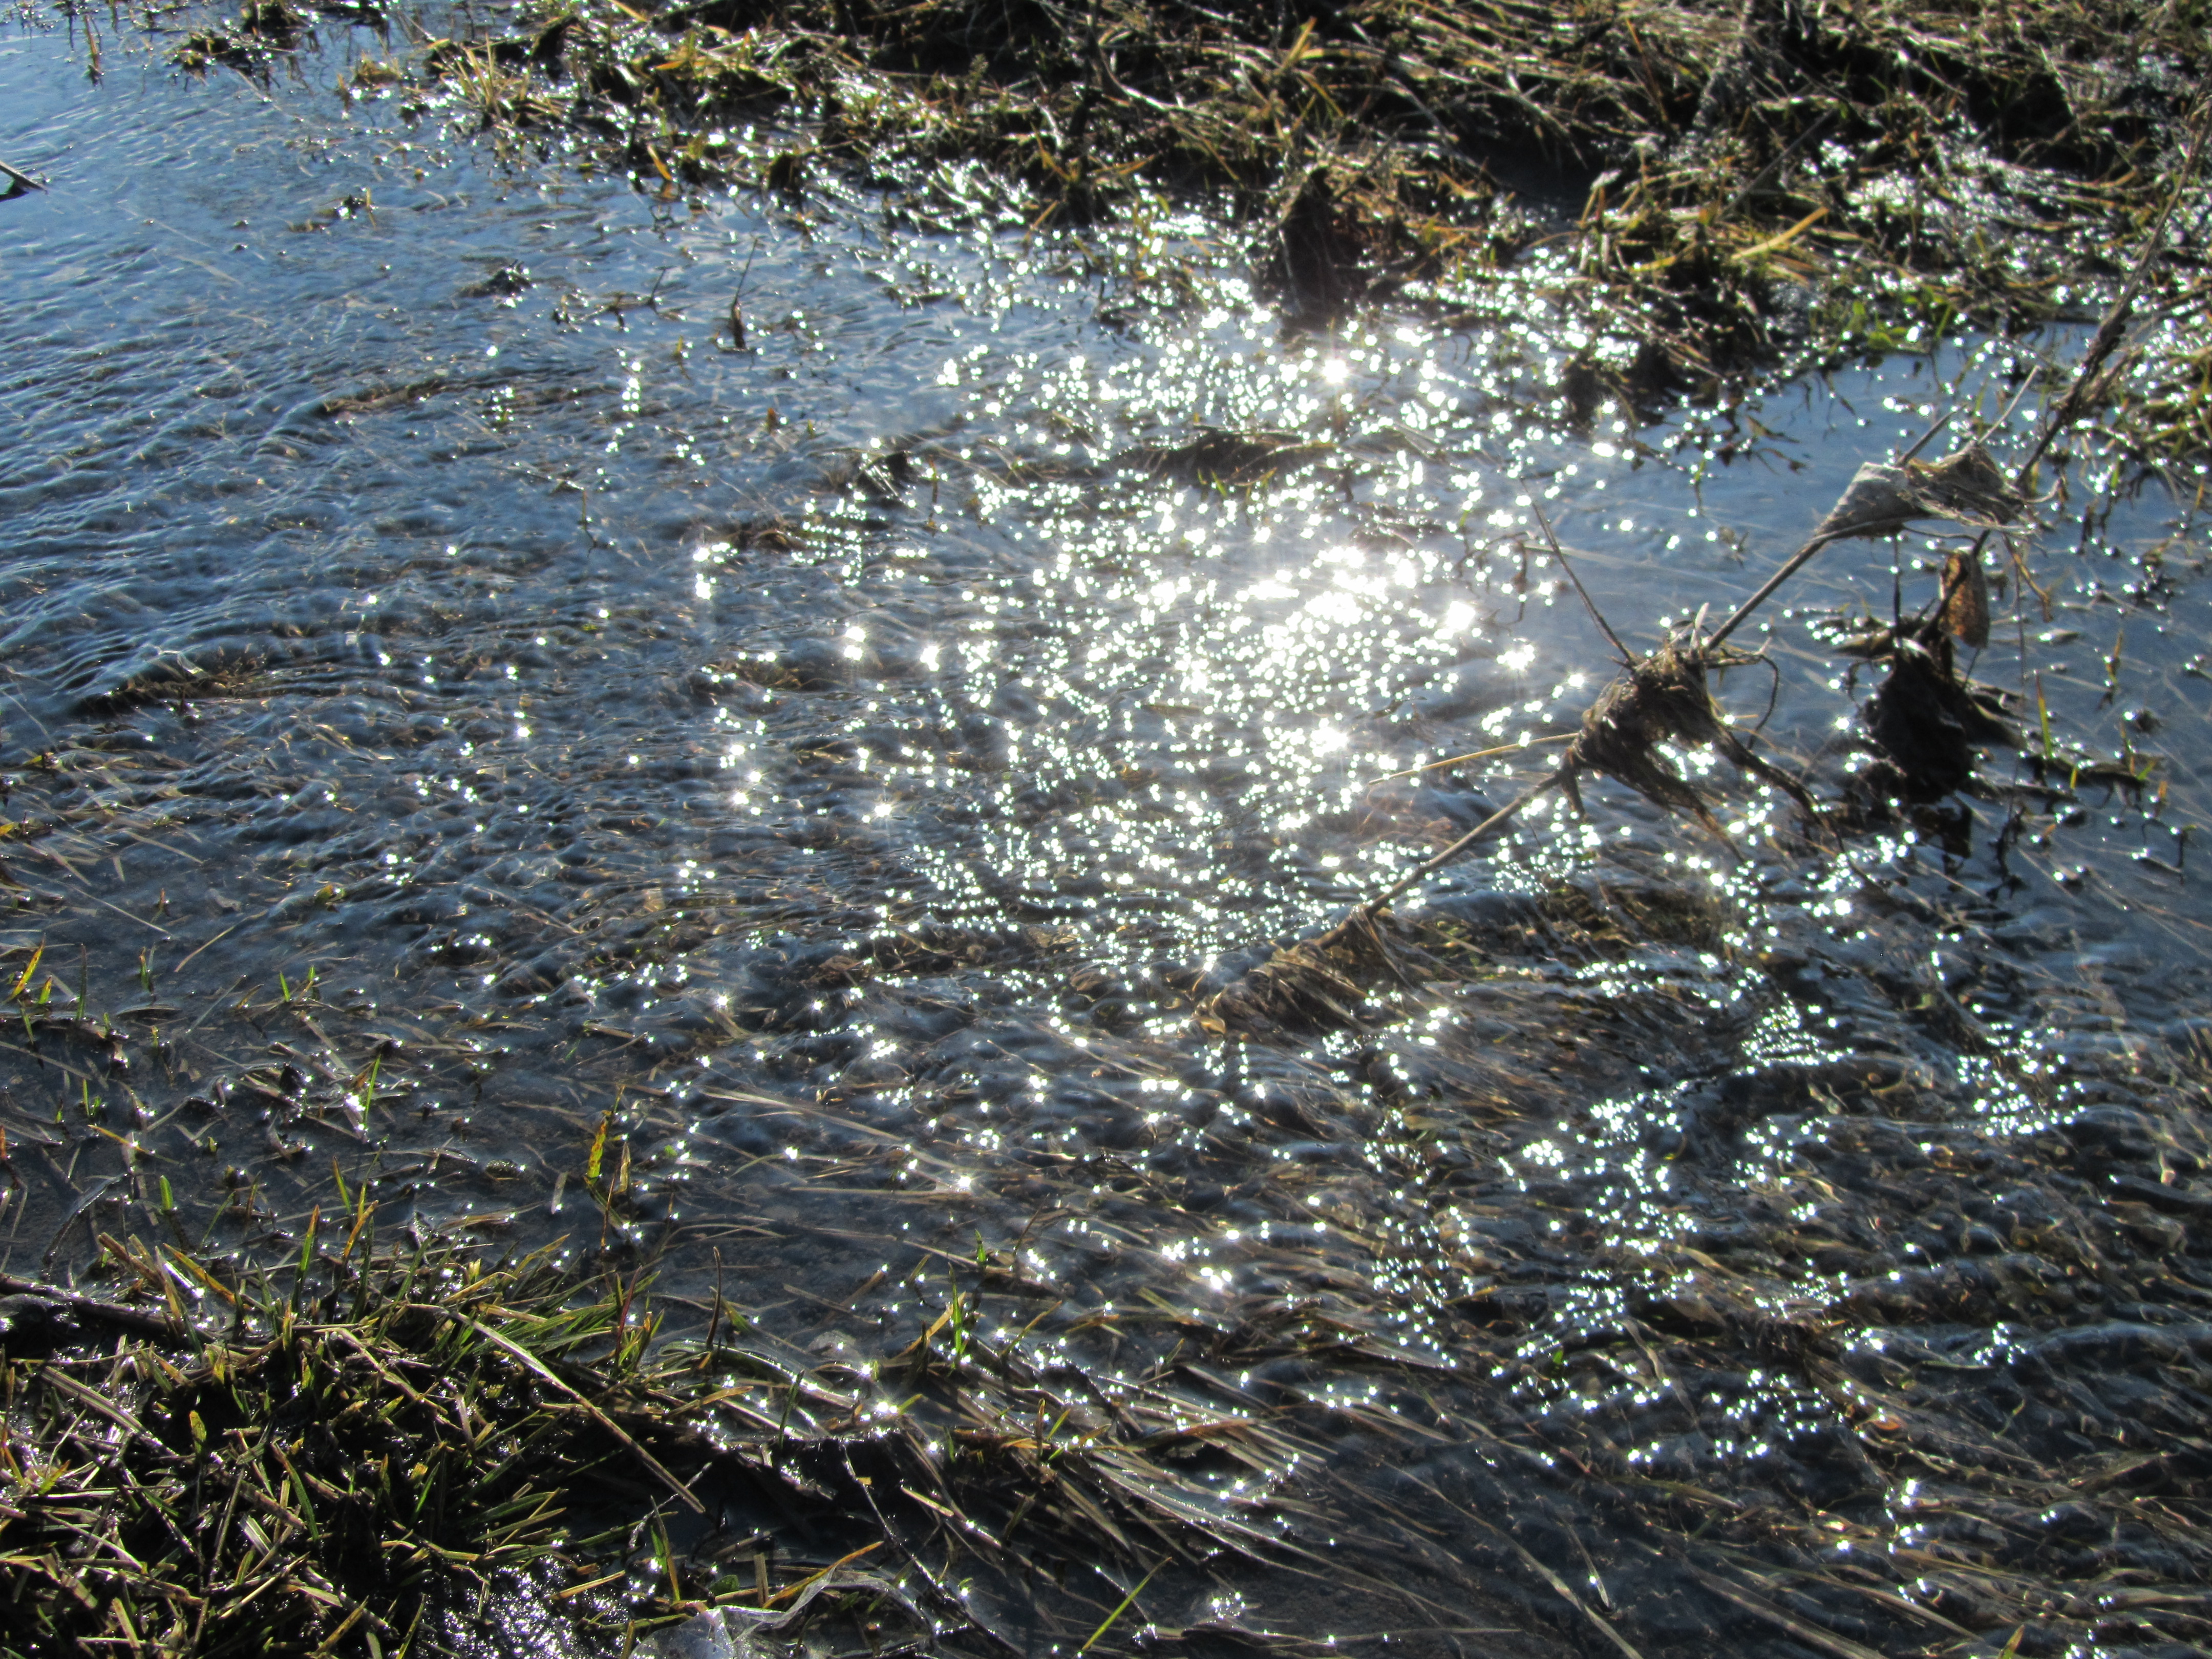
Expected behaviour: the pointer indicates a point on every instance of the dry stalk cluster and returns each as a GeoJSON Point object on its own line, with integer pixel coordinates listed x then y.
{"type": "Point", "coordinates": [1924, 722]}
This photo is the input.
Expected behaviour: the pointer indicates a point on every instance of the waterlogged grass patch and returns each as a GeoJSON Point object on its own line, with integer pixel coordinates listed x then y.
{"type": "Point", "coordinates": [424, 1450]}
{"type": "Point", "coordinates": [337, 1465]}
{"type": "Point", "coordinates": [1715, 188]}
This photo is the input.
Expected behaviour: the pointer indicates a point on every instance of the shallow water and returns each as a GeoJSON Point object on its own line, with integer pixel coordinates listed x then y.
{"type": "Point", "coordinates": [846, 757]}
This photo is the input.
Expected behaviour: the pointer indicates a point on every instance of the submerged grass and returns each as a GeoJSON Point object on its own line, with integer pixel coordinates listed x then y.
{"type": "Point", "coordinates": [299, 1441]}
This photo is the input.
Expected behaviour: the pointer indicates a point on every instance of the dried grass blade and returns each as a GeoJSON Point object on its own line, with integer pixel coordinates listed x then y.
{"type": "Point", "coordinates": [1842, 1646]}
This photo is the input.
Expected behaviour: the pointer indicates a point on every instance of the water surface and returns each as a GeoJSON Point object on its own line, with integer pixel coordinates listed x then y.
{"type": "Point", "coordinates": [847, 754]}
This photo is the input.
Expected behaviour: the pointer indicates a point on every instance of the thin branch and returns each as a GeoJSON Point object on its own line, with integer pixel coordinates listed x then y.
{"type": "Point", "coordinates": [1430, 867]}
{"type": "Point", "coordinates": [2065, 411]}
{"type": "Point", "coordinates": [1588, 603]}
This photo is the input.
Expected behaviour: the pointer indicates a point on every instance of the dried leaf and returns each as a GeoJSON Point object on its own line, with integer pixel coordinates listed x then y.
{"type": "Point", "coordinates": [1966, 613]}
{"type": "Point", "coordinates": [1966, 488]}
{"type": "Point", "coordinates": [1662, 699]}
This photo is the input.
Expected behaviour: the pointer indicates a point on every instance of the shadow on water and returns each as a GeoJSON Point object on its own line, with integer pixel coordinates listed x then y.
{"type": "Point", "coordinates": [469, 700]}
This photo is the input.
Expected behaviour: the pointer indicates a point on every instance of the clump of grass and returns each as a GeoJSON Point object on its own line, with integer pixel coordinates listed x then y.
{"type": "Point", "coordinates": [380, 1454]}
{"type": "Point", "coordinates": [336, 1465]}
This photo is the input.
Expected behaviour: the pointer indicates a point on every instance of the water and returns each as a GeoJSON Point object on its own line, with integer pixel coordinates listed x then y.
{"type": "Point", "coordinates": [846, 757]}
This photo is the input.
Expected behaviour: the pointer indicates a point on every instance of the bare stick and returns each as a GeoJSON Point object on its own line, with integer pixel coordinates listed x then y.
{"type": "Point", "coordinates": [1465, 842]}
{"type": "Point", "coordinates": [1804, 555]}
{"type": "Point", "coordinates": [2068, 409]}
{"type": "Point", "coordinates": [1475, 754]}
{"type": "Point", "coordinates": [23, 180]}
{"type": "Point", "coordinates": [1941, 421]}
{"type": "Point", "coordinates": [2071, 407]}
{"type": "Point", "coordinates": [1798, 561]}
{"type": "Point", "coordinates": [1588, 603]}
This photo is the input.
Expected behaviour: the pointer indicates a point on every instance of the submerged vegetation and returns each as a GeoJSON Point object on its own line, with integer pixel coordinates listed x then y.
{"type": "Point", "coordinates": [270, 1432]}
